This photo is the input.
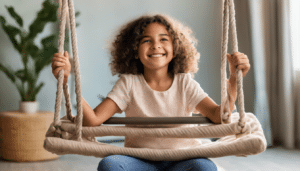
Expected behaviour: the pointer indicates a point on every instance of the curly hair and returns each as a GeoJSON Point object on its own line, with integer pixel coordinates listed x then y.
{"type": "Point", "coordinates": [125, 46]}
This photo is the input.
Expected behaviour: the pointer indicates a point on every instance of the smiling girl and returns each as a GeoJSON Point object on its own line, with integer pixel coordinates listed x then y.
{"type": "Point", "coordinates": [155, 58]}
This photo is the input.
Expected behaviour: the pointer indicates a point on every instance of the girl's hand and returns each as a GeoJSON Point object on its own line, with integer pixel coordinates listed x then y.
{"type": "Point", "coordinates": [238, 61]}
{"type": "Point", "coordinates": [60, 62]}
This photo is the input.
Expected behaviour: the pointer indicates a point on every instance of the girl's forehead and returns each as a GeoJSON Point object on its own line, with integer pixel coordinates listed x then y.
{"type": "Point", "coordinates": [155, 28]}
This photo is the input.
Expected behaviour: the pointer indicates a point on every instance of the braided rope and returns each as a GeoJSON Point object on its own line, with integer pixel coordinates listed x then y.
{"type": "Point", "coordinates": [239, 72]}
{"type": "Point", "coordinates": [249, 143]}
{"type": "Point", "coordinates": [60, 79]}
{"type": "Point", "coordinates": [68, 103]}
{"type": "Point", "coordinates": [66, 87]}
{"type": "Point", "coordinates": [77, 73]}
{"type": "Point", "coordinates": [60, 86]}
{"type": "Point", "coordinates": [224, 98]}
{"type": "Point", "coordinates": [213, 131]}
{"type": "Point", "coordinates": [229, 6]}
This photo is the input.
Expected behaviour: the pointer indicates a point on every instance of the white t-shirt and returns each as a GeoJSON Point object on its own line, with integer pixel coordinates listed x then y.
{"type": "Point", "coordinates": [134, 96]}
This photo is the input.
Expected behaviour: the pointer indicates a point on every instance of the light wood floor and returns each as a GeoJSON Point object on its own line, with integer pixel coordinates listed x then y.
{"type": "Point", "coordinates": [273, 159]}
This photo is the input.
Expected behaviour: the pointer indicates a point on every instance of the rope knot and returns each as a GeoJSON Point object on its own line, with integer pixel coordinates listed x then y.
{"type": "Point", "coordinates": [226, 118]}
{"type": "Point", "coordinates": [244, 128]}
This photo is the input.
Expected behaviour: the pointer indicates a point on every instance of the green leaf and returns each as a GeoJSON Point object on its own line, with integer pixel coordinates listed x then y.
{"type": "Point", "coordinates": [35, 28]}
{"type": "Point", "coordinates": [30, 77]}
{"type": "Point", "coordinates": [14, 15]}
{"type": "Point", "coordinates": [77, 13]}
{"type": "Point", "coordinates": [32, 49]}
{"type": "Point", "coordinates": [49, 47]}
{"type": "Point", "coordinates": [45, 15]}
{"type": "Point", "coordinates": [21, 75]}
{"type": "Point", "coordinates": [37, 90]}
{"type": "Point", "coordinates": [49, 41]}
{"type": "Point", "coordinates": [12, 32]}
{"type": "Point", "coordinates": [48, 12]}
{"type": "Point", "coordinates": [21, 91]}
{"type": "Point", "coordinates": [44, 58]}
{"type": "Point", "coordinates": [2, 20]}
{"type": "Point", "coordinates": [8, 72]}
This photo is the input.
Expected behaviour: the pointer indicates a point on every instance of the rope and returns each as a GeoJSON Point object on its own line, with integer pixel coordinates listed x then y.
{"type": "Point", "coordinates": [240, 91]}
{"type": "Point", "coordinates": [229, 6]}
{"type": "Point", "coordinates": [246, 144]}
{"type": "Point", "coordinates": [224, 99]}
{"type": "Point", "coordinates": [68, 103]}
{"type": "Point", "coordinates": [65, 87]}
{"type": "Point", "coordinates": [61, 36]}
{"type": "Point", "coordinates": [77, 73]}
{"type": "Point", "coordinates": [60, 86]}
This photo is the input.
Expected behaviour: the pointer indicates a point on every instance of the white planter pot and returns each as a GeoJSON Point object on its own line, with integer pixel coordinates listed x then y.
{"type": "Point", "coordinates": [28, 106]}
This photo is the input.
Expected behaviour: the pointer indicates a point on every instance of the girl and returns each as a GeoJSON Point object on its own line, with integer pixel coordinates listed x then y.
{"type": "Point", "coordinates": [155, 58]}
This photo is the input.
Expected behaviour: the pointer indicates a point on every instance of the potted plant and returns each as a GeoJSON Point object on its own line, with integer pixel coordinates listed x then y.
{"type": "Point", "coordinates": [22, 136]}
{"type": "Point", "coordinates": [34, 58]}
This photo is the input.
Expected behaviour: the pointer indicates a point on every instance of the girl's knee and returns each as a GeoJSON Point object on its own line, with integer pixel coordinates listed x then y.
{"type": "Point", "coordinates": [110, 163]}
{"type": "Point", "coordinates": [203, 164]}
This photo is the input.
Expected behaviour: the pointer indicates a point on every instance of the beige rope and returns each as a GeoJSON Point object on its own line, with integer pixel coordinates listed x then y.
{"type": "Point", "coordinates": [65, 87]}
{"type": "Point", "coordinates": [68, 103]}
{"type": "Point", "coordinates": [243, 145]}
{"type": "Point", "coordinates": [77, 73]}
{"type": "Point", "coordinates": [213, 131]}
{"type": "Point", "coordinates": [240, 74]}
{"type": "Point", "coordinates": [61, 36]}
{"type": "Point", "coordinates": [60, 87]}
{"type": "Point", "coordinates": [229, 6]}
{"type": "Point", "coordinates": [224, 98]}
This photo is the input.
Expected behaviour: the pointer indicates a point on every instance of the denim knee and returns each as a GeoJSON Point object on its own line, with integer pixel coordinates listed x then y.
{"type": "Point", "coordinates": [109, 163]}
{"type": "Point", "coordinates": [202, 165]}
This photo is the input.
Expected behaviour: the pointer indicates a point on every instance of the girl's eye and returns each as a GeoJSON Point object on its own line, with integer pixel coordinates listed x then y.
{"type": "Point", "coordinates": [145, 41]}
{"type": "Point", "coordinates": [164, 39]}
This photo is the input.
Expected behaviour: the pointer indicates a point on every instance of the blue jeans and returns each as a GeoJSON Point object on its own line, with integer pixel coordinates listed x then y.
{"type": "Point", "coordinates": [128, 163]}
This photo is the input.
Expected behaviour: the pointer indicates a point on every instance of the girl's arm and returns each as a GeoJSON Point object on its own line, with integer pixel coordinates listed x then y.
{"type": "Point", "coordinates": [95, 117]}
{"type": "Point", "coordinates": [207, 106]}
{"type": "Point", "coordinates": [211, 110]}
{"type": "Point", "coordinates": [91, 117]}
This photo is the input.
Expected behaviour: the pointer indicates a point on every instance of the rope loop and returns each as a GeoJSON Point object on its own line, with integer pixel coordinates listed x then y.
{"type": "Point", "coordinates": [65, 6]}
{"type": "Point", "coordinates": [243, 129]}
{"type": "Point", "coordinates": [229, 14]}
{"type": "Point", "coordinates": [68, 103]}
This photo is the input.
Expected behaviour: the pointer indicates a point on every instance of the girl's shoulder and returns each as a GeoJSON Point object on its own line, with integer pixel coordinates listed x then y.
{"type": "Point", "coordinates": [184, 76]}
{"type": "Point", "coordinates": [128, 76]}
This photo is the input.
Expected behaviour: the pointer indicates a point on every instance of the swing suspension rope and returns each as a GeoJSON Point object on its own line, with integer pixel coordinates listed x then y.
{"type": "Point", "coordinates": [228, 13]}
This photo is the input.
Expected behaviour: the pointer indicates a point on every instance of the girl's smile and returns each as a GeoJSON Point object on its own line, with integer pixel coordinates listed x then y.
{"type": "Point", "coordinates": [156, 48]}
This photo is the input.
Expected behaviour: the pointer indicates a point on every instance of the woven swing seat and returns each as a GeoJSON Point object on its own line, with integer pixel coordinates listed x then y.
{"type": "Point", "coordinates": [249, 143]}
{"type": "Point", "coordinates": [240, 133]}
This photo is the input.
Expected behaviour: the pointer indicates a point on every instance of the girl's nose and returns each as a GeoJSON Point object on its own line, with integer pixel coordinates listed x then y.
{"type": "Point", "coordinates": [156, 45]}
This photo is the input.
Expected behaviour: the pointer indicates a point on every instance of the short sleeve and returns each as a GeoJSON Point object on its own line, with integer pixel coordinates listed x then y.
{"type": "Point", "coordinates": [194, 93]}
{"type": "Point", "coordinates": [121, 92]}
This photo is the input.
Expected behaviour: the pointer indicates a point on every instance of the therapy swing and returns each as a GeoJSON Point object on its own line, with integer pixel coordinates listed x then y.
{"type": "Point", "coordinates": [240, 133]}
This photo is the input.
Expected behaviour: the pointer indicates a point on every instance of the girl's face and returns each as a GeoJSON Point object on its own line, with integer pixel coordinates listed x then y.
{"type": "Point", "coordinates": [156, 48]}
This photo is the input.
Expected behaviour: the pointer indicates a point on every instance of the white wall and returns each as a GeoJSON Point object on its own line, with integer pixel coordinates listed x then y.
{"type": "Point", "coordinates": [99, 19]}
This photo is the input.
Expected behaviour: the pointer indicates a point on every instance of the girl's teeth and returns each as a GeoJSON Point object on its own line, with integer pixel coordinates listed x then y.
{"type": "Point", "coordinates": [156, 55]}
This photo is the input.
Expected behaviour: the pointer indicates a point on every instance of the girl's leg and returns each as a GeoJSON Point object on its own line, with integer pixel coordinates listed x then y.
{"type": "Point", "coordinates": [128, 163]}
{"type": "Point", "coordinates": [198, 164]}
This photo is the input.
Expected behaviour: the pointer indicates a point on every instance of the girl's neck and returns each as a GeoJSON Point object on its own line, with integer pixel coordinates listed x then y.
{"type": "Point", "coordinates": [157, 77]}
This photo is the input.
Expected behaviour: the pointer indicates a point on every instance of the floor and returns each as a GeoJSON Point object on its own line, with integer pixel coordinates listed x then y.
{"type": "Point", "coordinates": [273, 159]}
